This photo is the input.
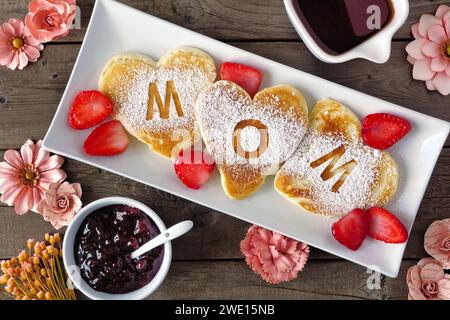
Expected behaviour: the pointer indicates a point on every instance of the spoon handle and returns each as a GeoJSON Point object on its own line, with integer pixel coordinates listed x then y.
{"type": "Point", "coordinates": [173, 232]}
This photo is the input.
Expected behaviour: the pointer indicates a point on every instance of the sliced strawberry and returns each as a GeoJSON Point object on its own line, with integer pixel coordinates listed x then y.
{"type": "Point", "coordinates": [89, 108]}
{"type": "Point", "coordinates": [194, 168]}
{"type": "Point", "coordinates": [351, 230]}
{"type": "Point", "coordinates": [107, 139]}
{"type": "Point", "coordinates": [246, 77]}
{"type": "Point", "coordinates": [382, 130]}
{"type": "Point", "coordinates": [385, 226]}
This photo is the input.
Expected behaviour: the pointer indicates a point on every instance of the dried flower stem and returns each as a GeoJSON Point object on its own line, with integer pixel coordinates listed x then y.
{"type": "Point", "coordinates": [36, 273]}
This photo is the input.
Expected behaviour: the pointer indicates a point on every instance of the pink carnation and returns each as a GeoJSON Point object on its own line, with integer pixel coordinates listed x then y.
{"type": "Point", "coordinates": [60, 204]}
{"type": "Point", "coordinates": [49, 19]}
{"type": "Point", "coordinates": [427, 281]}
{"type": "Point", "coordinates": [437, 242]}
{"type": "Point", "coordinates": [275, 257]}
{"type": "Point", "coordinates": [430, 51]}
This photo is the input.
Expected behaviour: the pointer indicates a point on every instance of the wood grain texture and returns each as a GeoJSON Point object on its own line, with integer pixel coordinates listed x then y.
{"type": "Point", "coordinates": [232, 19]}
{"type": "Point", "coordinates": [208, 258]}
{"type": "Point", "coordinates": [27, 113]}
{"type": "Point", "coordinates": [319, 280]}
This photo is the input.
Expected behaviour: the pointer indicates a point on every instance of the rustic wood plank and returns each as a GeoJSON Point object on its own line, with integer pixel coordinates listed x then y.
{"type": "Point", "coordinates": [319, 280]}
{"type": "Point", "coordinates": [215, 235]}
{"type": "Point", "coordinates": [234, 19]}
{"type": "Point", "coordinates": [28, 99]}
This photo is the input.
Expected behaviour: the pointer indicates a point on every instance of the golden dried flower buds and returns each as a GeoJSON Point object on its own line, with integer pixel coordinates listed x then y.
{"type": "Point", "coordinates": [37, 273]}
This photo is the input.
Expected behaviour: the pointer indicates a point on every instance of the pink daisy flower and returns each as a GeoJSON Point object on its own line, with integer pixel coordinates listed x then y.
{"type": "Point", "coordinates": [26, 176]}
{"type": "Point", "coordinates": [17, 45]}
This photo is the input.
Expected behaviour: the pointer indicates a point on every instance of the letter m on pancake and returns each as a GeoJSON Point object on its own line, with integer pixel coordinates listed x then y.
{"type": "Point", "coordinates": [331, 170]}
{"type": "Point", "coordinates": [164, 109]}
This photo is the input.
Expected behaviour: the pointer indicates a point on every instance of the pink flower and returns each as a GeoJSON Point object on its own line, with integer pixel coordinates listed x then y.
{"type": "Point", "coordinates": [275, 257]}
{"type": "Point", "coordinates": [48, 19]}
{"type": "Point", "coordinates": [427, 281]}
{"type": "Point", "coordinates": [60, 204]}
{"type": "Point", "coordinates": [437, 242]}
{"type": "Point", "coordinates": [430, 51]}
{"type": "Point", "coordinates": [17, 45]}
{"type": "Point", "coordinates": [25, 176]}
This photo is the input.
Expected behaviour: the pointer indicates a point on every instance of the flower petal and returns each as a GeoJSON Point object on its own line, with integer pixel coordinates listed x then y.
{"type": "Point", "coordinates": [6, 56]}
{"type": "Point", "coordinates": [18, 26]}
{"type": "Point", "coordinates": [8, 30]}
{"type": "Point", "coordinates": [410, 59]}
{"type": "Point", "coordinates": [442, 83]}
{"type": "Point", "coordinates": [424, 261]}
{"type": "Point", "coordinates": [23, 202]}
{"type": "Point", "coordinates": [32, 53]}
{"type": "Point", "coordinates": [37, 198]}
{"type": "Point", "coordinates": [426, 21]}
{"type": "Point", "coordinates": [442, 10]}
{"type": "Point", "coordinates": [437, 34]}
{"type": "Point", "coordinates": [434, 236]}
{"type": "Point", "coordinates": [430, 85]}
{"type": "Point", "coordinates": [13, 158]}
{"type": "Point", "coordinates": [77, 188]}
{"type": "Point", "coordinates": [52, 162]}
{"type": "Point", "coordinates": [66, 187]}
{"type": "Point", "coordinates": [447, 27]}
{"type": "Point", "coordinates": [51, 195]}
{"type": "Point", "coordinates": [40, 157]}
{"type": "Point", "coordinates": [414, 48]}
{"type": "Point", "coordinates": [439, 64]}
{"type": "Point", "coordinates": [415, 30]}
{"type": "Point", "coordinates": [431, 49]}
{"type": "Point", "coordinates": [7, 170]}
{"type": "Point", "coordinates": [422, 70]}
{"type": "Point", "coordinates": [52, 176]}
{"type": "Point", "coordinates": [444, 289]}
{"type": "Point", "coordinates": [447, 71]}
{"type": "Point", "coordinates": [9, 196]}
{"type": "Point", "coordinates": [14, 62]}
{"type": "Point", "coordinates": [9, 181]}
{"type": "Point", "coordinates": [27, 152]}
{"type": "Point", "coordinates": [414, 283]}
{"type": "Point", "coordinates": [432, 272]}
{"type": "Point", "coordinates": [23, 60]}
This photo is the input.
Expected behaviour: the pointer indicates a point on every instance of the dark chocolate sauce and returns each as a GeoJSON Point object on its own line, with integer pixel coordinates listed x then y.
{"type": "Point", "coordinates": [340, 25]}
{"type": "Point", "coordinates": [103, 247]}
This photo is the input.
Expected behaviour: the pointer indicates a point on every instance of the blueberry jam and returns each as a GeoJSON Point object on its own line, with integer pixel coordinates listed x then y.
{"type": "Point", "coordinates": [103, 247]}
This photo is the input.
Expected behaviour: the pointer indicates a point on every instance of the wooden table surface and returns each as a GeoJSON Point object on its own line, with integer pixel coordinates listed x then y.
{"type": "Point", "coordinates": [207, 262]}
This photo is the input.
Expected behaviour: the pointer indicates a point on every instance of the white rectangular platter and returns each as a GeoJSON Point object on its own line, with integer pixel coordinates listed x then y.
{"type": "Point", "coordinates": [116, 28]}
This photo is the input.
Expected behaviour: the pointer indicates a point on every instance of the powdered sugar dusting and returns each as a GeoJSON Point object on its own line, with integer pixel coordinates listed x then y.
{"type": "Point", "coordinates": [222, 106]}
{"type": "Point", "coordinates": [131, 106]}
{"type": "Point", "coordinates": [250, 138]}
{"type": "Point", "coordinates": [355, 192]}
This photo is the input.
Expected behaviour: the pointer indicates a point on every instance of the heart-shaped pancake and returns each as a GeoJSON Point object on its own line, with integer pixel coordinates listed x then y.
{"type": "Point", "coordinates": [248, 138]}
{"type": "Point", "coordinates": [333, 172]}
{"type": "Point", "coordinates": [154, 101]}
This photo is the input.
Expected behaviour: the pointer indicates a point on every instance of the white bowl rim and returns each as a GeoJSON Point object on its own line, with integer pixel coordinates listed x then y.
{"type": "Point", "coordinates": [73, 271]}
{"type": "Point", "coordinates": [376, 49]}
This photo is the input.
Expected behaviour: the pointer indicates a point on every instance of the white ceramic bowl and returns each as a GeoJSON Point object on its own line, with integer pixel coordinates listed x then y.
{"type": "Point", "coordinates": [377, 48]}
{"type": "Point", "coordinates": [74, 272]}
